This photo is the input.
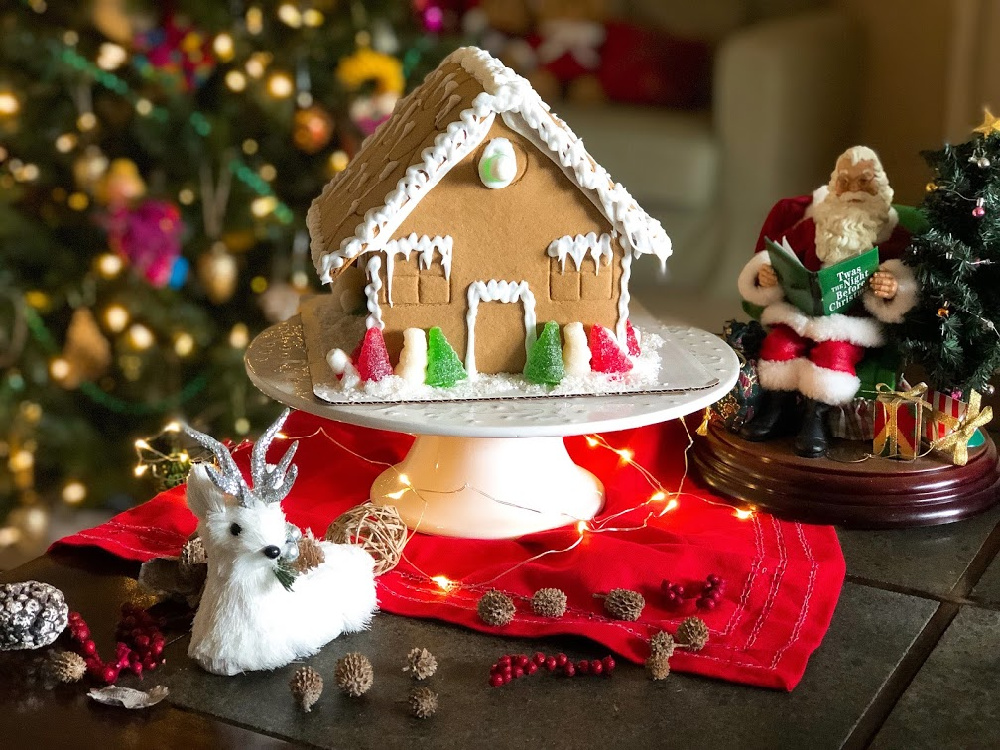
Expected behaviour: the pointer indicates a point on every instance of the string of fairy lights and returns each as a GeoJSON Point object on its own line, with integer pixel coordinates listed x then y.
{"type": "Point", "coordinates": [659, 502]}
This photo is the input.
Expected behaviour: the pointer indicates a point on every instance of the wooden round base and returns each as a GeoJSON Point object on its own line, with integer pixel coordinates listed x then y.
{"type": "Point", "coordinates": [876, 493]}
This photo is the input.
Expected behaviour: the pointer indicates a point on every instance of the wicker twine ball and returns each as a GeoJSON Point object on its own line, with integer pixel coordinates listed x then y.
{"type": "Point", "coordinates": [692, 633]}
{"type": "Point", "coordinates": [662, 643]}
{"type": "Point", "coordinates": [420, 663]}
{"type": "Point", "coordinates": [623, 604]}
{"type": "Point", "coordinates": [658, 665]}
{"type": "Point", "coordinates": [549, 603]}
{"type": "Point", "coordinates": [496, 608]}
{"type": "Point", "coordinates": [377, 529]}
{"type": "Point", "coordinates": [423, 702]}
{"type": "Point", "coordinates": [306, 687]}
{"type": "Point", "coordinates": [354, 674]}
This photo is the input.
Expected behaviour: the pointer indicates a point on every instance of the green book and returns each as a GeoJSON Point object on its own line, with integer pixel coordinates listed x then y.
{"type": "Point", "coordinates": [828, 290]}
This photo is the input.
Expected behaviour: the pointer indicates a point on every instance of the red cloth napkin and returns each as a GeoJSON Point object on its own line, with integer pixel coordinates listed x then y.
{"type": "Point", "coordinates": [782, 579]}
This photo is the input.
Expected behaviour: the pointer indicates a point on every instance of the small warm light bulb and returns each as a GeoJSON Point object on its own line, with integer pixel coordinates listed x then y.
{"type": "Point", "coordinates": [255, 20]}
{"type": "Point", "coordinates": [338, 161]}
{"type": "Point", "coordinates": [397, 494]}
{"type": "Point", "coordinates": [658, 495]}
{"type": "Point", "coordinates": [143, 106]}
{"type": "Point", "coordinates": [242, 426]}
{"type": "Point", "coordinates": [59, 368]}
{"type": "Point", "coordinates": [312, 17]}
{"type": "Point", "coordinates": [224, 47]}
{"type": "Point", "coordinates": [142, 445]}
{"type": "Point", "coordinates": [184, 344]}
{"type": "Point", "coordinates": [267, 172]}
{"type": "Point", "coordinates": [140, 470]}
{"type": "Point", "coordinates": [280, 85]}
{"type": "Point", "coordinates": [111, 56]}
{"type": "Point", "coordinates": [235, 80]}
{"type": "Point", "coordinates": [405, 480]}
{"type": "Point", "coordinates": [23, 460]}
{"type": "Point", "coordinates": [626, 454]}
{"type": "Point", "coordinates": [743, 513]}
{"type": "Point", "coordinates": [186, 196]}
{"type": "Point", "coordinates": [592, 442]}
{"type": "Point", "coordinates": [116, 317]}
{"type": "Point", "coordinates": [290, 15]}
{"type": "Point", "coordinates": [109, 265]}
{"type": "Point", "coordinates": [672, 505]}
{"type": "Point", "coordinates": [239, 336]}
{"type": "Point", "coordinates": [174, 426]}
{"type": "Point", "coordinates": [581, 527]}
{"type": "Point", "coordinates": [140, 337]}
{"type": "Point", "coordinates": [444, 583]}
{"type": "Point", "coordinates": [261, 207]}
{"type": "Point", "coordinates": [74, 493]}
{"type": "Point", "coordinates": [9, 104]}
{"type": "Point", "coordinates": [86, 121]}
{"type": "Point", "coordinates": [65, 143]}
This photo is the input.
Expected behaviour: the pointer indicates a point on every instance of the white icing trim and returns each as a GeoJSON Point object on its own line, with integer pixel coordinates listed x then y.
{"type": "Point", "coordinates": [621, 332]}
{"type": "Point", "coordinates": [497, 291]}
{"type": "Point", "coordinates": [505, 93]}
{"type": "Point", "coordinates": [498, 164]}
{"type": "Point", "coordinates": [425, 247]}
{"type": "Point", "coordinates": [579, 247]}
{"type": "Point", "coordinates": [374, 319]}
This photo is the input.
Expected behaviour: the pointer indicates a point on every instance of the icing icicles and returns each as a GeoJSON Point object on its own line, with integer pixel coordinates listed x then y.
{"type": "Point", "coordinates": [425, 247]}
{"type": "Point", "coordinates": [579, 247]}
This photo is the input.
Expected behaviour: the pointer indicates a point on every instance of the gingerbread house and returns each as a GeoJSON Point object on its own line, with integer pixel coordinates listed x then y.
{"type": "Point", "coordinates": [474, 208]}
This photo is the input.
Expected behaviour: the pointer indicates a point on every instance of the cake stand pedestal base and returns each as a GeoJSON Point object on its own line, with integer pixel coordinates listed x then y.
{"type": "Point", "coordinates": [488, 487]}
{"type": "Point", "coordinates": [877, 493]}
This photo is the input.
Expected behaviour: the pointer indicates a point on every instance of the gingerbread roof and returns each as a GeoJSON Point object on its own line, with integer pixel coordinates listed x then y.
{"type": "Point", "coordinates": [440, 123]}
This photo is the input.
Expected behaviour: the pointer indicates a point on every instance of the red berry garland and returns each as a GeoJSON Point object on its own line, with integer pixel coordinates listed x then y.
{"type": "Point", "coordinates": [708, 598]}
{"type": "Point", "coordinates": [510, 667]}
{"type": "Point", "coordinates": [139, 647]}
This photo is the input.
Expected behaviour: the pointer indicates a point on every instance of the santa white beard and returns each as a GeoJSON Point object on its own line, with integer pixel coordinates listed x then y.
{"type": "Point", "coordinates": [848, 224]}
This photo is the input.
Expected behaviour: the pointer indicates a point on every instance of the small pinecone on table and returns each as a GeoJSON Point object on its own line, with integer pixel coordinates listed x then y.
{"type": "Point", "coordinates": [63, 666]}
{"type": "Point", "coordinates": [662, 643]}
{"type": "Point", "coordinates": [420, 663]}
{"type": "Point", "coordinates": [549, 603]}
{"type": "Point", "coordinates": [496, 608]}
{"type": "Point", "coordinates": [310, 555]}
{"type": "Point", "coordinates": [423, 702]}
{"type": "Point", "coordinates": [32, 615]}
{"type": "Point", "coordinates": [354, 674]}
{"type": "Point", "coordinates": [306, 687]}
{"type": "Point", "coordinates": [692, 633]}
{"type": "Point", "coordinates": [624, 604]}
{"type": "Point", "coordinates": [658, 665]}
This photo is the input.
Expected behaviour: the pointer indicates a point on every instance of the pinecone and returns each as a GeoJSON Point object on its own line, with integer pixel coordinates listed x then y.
{"type": "Point", "coordinates": [32, 615]}
{"type": "Point", "coordinates": [662, 643]}
{"type": "Point", "coordinates": [63, 666]}
{"type": "Point", "coordinates": [354, 674]}
{"type": "Point", "coordinates": [306, 687]}
{"type": "Point", "coordinates": [658, 665]}
{"type": "Point", "coordinates": [549, 603]}
{"type": "Point", "coordinates": [496, 608]}
{"type": "Point", "coordinates": [310, 555]}
{"type": "Point", "coordinates": [423, 702]}
{"type": "Point", "coordinates": [420, 663]}
{"type": "Point", "coordinates": [624, 604]}
{"type": "Point", "coordinates": [692, 633]}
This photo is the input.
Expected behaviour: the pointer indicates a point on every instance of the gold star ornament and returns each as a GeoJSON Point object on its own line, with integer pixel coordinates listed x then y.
{"type": "Point", "coordinates": [990, 124]}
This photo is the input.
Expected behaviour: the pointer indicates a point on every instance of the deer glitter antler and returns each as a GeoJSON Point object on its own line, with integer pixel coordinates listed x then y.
{"type": "Point", "coordinates": [271, 482]}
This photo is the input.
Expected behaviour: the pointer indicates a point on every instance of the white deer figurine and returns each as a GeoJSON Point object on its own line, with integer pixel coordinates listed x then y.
{"type": "Point", "coordinates": [256, 612]}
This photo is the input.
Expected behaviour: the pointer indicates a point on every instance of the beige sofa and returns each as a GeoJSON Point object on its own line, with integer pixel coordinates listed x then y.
{"type": "Point", "coordinates": [785, 79]}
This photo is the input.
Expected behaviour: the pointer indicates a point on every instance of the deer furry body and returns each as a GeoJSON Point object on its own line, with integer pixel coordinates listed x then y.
{"type": "Point", "coordinates": [247, 619]}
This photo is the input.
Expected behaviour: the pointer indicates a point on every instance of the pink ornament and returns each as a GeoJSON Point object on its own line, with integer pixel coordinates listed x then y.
{"type": "Point", "coordinates": [149, 237]}
{"type": "Point", "coordinates": [433, 19]}
{"type": "Point", "coordinates": [605, 353]}
{"type": "Point", "coordinates": [979, 212]}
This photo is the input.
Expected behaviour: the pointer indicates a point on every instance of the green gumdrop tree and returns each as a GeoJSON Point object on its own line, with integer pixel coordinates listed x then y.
{"type": "Point", "coordinates": [545, 362]}
{"type": "Point", "coordinates": [444, 368]}
{"type": "Point", "coordinates": [952, 332]}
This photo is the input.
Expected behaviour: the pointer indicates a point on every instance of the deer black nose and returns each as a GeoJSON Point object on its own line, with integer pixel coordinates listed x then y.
{"type": "Point", "coordinates": [271, 551]}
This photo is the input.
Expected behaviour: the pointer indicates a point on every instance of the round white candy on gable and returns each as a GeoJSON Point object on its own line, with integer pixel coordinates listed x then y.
{"type": "Point", "coordinates": [498, 164]}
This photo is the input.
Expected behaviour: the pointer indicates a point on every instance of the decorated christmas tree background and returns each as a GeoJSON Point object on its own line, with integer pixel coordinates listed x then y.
{"type": "Point", "coordinates": [953, 331]}
{"type": "Point", "coordinates": [156, 164]}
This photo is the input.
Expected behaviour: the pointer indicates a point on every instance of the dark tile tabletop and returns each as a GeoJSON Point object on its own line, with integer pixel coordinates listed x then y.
{"type": "Point", "coordinates": [910, 661]}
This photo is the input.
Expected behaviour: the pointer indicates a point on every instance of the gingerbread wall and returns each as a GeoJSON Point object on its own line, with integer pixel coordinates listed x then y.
{"type": "Point", "coordinates": [504, 234]}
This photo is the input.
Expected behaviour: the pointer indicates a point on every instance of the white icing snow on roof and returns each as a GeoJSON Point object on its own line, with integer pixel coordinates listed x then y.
{"type": "Point", "coordinates": [507, 94]}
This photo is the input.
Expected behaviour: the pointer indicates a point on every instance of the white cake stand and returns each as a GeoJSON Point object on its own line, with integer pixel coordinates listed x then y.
{"type": "Point", "coordinates": [490, 469]}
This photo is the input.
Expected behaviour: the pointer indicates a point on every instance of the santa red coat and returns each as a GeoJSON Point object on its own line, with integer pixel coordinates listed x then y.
{"type": "Point", "coordinates": [817, 355]}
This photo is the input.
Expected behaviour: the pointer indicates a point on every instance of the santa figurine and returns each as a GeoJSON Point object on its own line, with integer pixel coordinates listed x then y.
{"type": "Point", "coordinates": [817, 356]}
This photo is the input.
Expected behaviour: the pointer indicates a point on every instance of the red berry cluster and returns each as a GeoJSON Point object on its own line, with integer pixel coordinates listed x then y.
{"type": "Point", "coordinates": [139, 648]}
{"type": "Point", "coordinates": [707, 598]}
{"type": "Point", "coordinates": [511, 667]}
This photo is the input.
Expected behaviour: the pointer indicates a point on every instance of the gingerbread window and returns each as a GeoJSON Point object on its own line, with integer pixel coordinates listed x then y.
{"type": "Point", "coordinates": [580, 268]}
{"type": "Point", "coordinates": [417, 271]}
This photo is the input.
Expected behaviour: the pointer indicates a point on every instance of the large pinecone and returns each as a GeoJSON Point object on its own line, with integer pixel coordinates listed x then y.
{"type": "Point", "coordinates": [624, 604]}
{"type": "Point", "coordinates": [496, 608]}
{"type": "Point", "coordinates": [549, 603]}
{"type": "Point", "coordinates": [354, 674]}
{"type": "Point", "coordinates": [32, 615]}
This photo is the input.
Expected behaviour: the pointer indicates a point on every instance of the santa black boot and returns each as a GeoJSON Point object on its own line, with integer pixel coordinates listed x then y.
{"type": "Point", "coordinates": [812, 440]}
{"type": "Point", "coordinates": [774, 417]}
